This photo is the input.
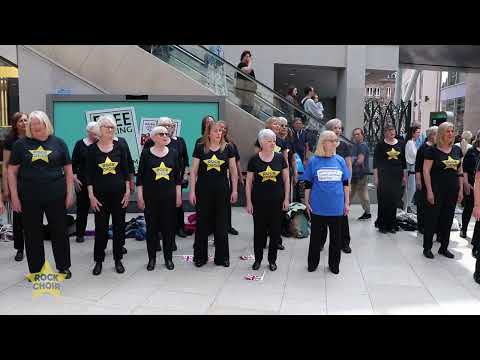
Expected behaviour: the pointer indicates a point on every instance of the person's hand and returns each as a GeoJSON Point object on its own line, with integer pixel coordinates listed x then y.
{"type": "Point", "coordinates": [77, 183]}
{"type": "Point", "coordinates": [285, 205]}
{"type": "Point", "coordinates": [16, 205]}
{"type": "Point", "coordinates": [95, 204]}
{"type": "Point", "coordinates": [126, 199]}
{"type": "Point", "coordinates": [476, 213]}
{"type": "Point", "coordinates": [2, 207]}
{"type": "Point", "coordinates": [404, 180]}
{"type": "Point", "coordinates": [140, 202]}
{"type": "Point", "coordinates": [431, 198]}
{"type": "Point", "coordinates": [178, 202]}
{"type": "Point", "coordinates": [69, 200]}
{"type": "Point", "coordinates": [131, 183]}
{"type": "Point", "coordinates": [467, 188]}
{"type": "Point", "coordinates": [460, 197]}
{"type": "Point", "coordinates": [192, 198]}
{"type": "Point", "coordinates": [234, 197]}
{"type": "Point", "coordinates": [346, 209]}
{"type": "Point", "coordinates": [250, 208]}
{"type": "Point", "coordinates": [6, 195]}
{"type": "Point", "coordinates": [419, 185]}
{"type": "Point", "coordinates": [309, 210]}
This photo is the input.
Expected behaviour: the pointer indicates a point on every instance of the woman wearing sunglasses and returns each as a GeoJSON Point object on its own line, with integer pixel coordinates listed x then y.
{"type": "Point", "coordinates": [159, 194]}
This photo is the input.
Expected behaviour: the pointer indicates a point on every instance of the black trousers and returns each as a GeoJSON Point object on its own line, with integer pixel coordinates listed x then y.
{"type": "Point", "coordinates": [439, 218]}
{"type": "Point", "coordinates": [212, 208]}
{"type": "Point", "coordinates": [476, 235]}
{"type": "Point", "coordinates": [160, 217]}
{"type": "Point", "coordinates": [111, 205]}
{"type": "Point", "coordinates": [468, 204]}
{"type": "Point", "coordinates": [267, 219]}
{"type": "Point", "coordinates": [389, 192]}
{"type": "Point", "coordinates": [421, 198]}
{"type": "Point", "coordinates": [83, 206]}
{"type": "Point", "coordinates": [318, 236]}
{"type": "Point", "coordinates": [18, 240]}
{"type": "Point", "coordinates": [32, 217]}
{"type": "Point", "coordinates": [180, 220]}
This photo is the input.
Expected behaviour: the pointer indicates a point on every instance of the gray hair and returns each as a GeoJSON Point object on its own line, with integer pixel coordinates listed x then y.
{"type": "Point", "coordinates": [282, 120]}
{"type": "Point", "coordinates": [163, 120]}
{"type": "Point", "coordinates": [92, 126]}
{"type": "Point", "coordinates": [107, 119]}
{"type": "Point", "coordinates": [331, 124]}
{"type": "Point", "coordinates": [158, 129]}
{"type": "Point", "coordinates": [431, 131]}
{"type": "Point", "coordinates": [266, 134]}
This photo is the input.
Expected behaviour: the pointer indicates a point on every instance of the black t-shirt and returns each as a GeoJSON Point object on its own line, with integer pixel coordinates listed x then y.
{"type": "Point", "coordinates": [124, 144]}
{"type": "Point", "coordinates": [107, 172]}
{"type": "Point", "coordinates": [242, 77]}
{"type": "Point", "coordinates": [179, 146]}
{"type": "Point", "coordinates": [389, 157]}
{"type": "Point", "coordinates": [344, 149]}
{"type": "Point", "coordinates": [158, 175]}
{"type": "Point", "coordinates": [281, 145]}
{"type": "Point", "coordinates": [41, 176]}
{"type": "Point", "coordinates": [213, 167]}
{"type": "Point", "coordinates": [79, 159]}
{"type": "Point", "coordinates": [9, 141]}
{"type": "Point", "coordinates": [470, 163]}
{"type": "Point", "coordinates": [267, 178]}
{"type": "Point", "coordinates": [444, 172]}
{"type": "Point", "coordinates": [419, 160]}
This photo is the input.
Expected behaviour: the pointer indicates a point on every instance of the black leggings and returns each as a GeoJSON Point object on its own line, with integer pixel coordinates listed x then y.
{"type": "Point", "coordinates": [468, 204]}
{"type": "Point", "coordinates": [32, 216]}
{"type": "Point", "coordinates": [18, 240]}
{"type": "Point", "coordinates": [83, 206]}
{"type": "Point", "coordinates": [160, 216]}
{"type": "Point", "coordinates": [318, 236]}
{"type": "Point", "coordinates": [267, 219]}
{"type": "Point", "coordinates": [111, 205]}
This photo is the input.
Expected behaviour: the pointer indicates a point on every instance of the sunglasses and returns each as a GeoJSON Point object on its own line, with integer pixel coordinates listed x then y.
{"type": "Point", "coordinates": [162, 134]}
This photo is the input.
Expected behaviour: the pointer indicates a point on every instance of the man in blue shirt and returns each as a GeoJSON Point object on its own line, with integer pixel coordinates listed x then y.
{"type": "Point", "coordinates": [360, 170]}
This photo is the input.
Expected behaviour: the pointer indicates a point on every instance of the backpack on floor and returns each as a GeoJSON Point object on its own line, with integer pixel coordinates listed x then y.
{"type": "Point", "coordinates": [295, 222]}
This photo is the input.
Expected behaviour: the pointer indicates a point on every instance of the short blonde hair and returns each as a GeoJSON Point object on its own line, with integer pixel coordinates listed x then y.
{"type": "Point", "coordinates": [107, 119]}
{"type": "Point", "coordinates": [270, 121]}
{"type": "Point", "coordinates": [325, 135]}
{"type": "Point", "coordinates": [282, 120]}
{"type": "Point", "coordinates": [40, 115]}
{"type": "Point", "coordinates": [442, 129]}
{"type": "Point", "coordinates": [158, 129]}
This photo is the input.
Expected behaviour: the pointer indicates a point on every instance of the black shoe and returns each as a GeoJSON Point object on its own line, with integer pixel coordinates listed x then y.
{"type": "Point", "coordinates": [151, 264]}
{"type": "Point", "coordinates": [19, 256]}
{"type": "Point", "coordinates": [272, 266]}
{"type": "Point", "coordinates": [347, 249]}
{"type": "Point", "coordinates": [80, 239]}
{"type": "Point", "coordinates": [392, 231]}
{"type": "Point", "coordinates": [365, 216]}
{"type": "Point", "coordinates": [169, 264]}
{"type": "Point", "coordinates": [383, 231]}
{"type": "Point", "coordinates": [463, 234]}
{"type": "Point", "coordinates": [421, 231]}
{"type": "Point", "coordinates": [334, 270]}
{"type": "Point", "coordinates": [476, 277]}
{"type": "Point", "coordinates": [446, 253]}
{"type": "Point", "coordinates": [199, 263]}
{"type": "Point", "coordinates": [124, 250]}
{"type": "Point", "coordinates": [98, 268]}
{"type": "Point", "coordinates": [232, 231]}
{"type": "Point", "coordinates": [68, 273]}
{"type": "Point", "coordinates": [181, 233]}
{"type": "Point", "coordinates": [280, 247]}
{"type": "Point", "coordinates": [226, 263]}
{"type": "Point", "coordinates": [256, 265]}
{"type": "Point", "coordinates": [475, 252]}
{"type": "Point", "coordinates": [311, 268]}
{"type": "Point", "coordinates": [428, 254]}
{"type": "Point", "coordinates": [119, 267]}
{"type": "Point", "coordinates": [174, 247]}
{"type": "Point", "coordinates": [396, 228]}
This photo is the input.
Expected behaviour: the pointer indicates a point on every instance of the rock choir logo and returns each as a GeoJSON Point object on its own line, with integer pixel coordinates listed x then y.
{"type": "Point", "coordinates": [40, 154]}
{"type": "Point", "coordinates": [46, 281]}
{"type": "Point", "coordinates": [393, 154]}
{"type": "Point", "coordinates": [451, 163]}
{"type": "Point", "coordinates": [108, 166]}
{"type": "Point", "coordinates": [213, 163]}
{"type": "Point", "coordinates": [269, 174]}
{"type": "Point", "coordinates": [161, 172]}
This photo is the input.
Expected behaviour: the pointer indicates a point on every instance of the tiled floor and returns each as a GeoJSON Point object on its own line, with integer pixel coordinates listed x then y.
{"type": "Point", "coordinates": [385, 274]}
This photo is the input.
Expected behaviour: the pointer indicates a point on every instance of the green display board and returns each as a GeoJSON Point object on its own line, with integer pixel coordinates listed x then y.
{"type": "Point", "coordinates": [71, 113]}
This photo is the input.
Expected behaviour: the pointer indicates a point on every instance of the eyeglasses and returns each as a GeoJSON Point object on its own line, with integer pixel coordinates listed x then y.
{"type": "Point", "coordinates": [283, 125]}
{"type": "Point", "coordinates": [162, 134]}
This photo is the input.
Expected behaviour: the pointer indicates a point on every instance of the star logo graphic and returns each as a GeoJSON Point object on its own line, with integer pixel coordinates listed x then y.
{"type": "Point", "coordinates": [161, 172]}
{"type": "Point", "coordinates": [277, 149]}
{"type": "Point", "coordinates": [269, 174]}
{"type": "Point", "coordinates": [213, 163]}
{"type": "Point", "coordinates": [108, 166]}
{"type": "Point", "coordinates": [46, 281]}
{"type": "Point", "coordinates": [40, 154]}
{"type": "Point", "coordinates": [451, 163]}
{"type": "Point", "coordinates": [393, 154]}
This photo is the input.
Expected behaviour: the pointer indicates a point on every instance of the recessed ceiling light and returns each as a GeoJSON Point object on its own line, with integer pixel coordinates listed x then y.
{"type": "Point", "coordinates": [292, 74]}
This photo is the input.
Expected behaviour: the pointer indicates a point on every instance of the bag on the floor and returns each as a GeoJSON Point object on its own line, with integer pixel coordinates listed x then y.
{"type": "Point", "coordinates": [295, 221]}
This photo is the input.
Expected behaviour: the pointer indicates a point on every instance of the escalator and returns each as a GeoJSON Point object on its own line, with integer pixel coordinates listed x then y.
{"type": "Point", "coordinates": [220, 77]}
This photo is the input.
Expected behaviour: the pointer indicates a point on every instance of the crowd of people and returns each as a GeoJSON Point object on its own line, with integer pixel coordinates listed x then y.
{"type": "Point", "coordinates": [40, 178]}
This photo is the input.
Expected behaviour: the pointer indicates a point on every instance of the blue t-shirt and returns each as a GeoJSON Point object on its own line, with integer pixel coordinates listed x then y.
{"type": "Point", "coordinates": [327, 175]}
{"type": "Point", "coordinates": [359, 171]}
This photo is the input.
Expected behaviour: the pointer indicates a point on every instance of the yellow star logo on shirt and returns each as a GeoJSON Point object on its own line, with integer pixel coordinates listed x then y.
{"type": "Point", "coordinates": [277, 149]}
{"type": "Point", "coordinates": [393, 154]}
{"type": "Point", "coordinates": [451, 163]}
{"type": "Point", "coordinates": [46, 281]}
{"type": "Point", "coordinates": [269, 174]}
{"type": "Point", "coordinates": [213, 163]}
{"type": "Point", "coordinates": [162, 172]}
{"type": "Point", "coordinates": [40, 154]}
{"type": "Point", "coordinates": [108, 166]}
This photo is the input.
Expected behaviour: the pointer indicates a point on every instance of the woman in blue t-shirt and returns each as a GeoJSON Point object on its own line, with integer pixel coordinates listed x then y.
{"type": "Point", "coordinates": [327, 200]}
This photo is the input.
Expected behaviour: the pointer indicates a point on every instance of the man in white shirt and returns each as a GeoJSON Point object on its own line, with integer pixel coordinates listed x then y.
{"type": "Point", "coordinates": [312, 108]}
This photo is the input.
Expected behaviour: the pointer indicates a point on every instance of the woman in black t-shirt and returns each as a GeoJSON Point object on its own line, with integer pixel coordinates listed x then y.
{"type": "Point", "coordinates": [476, 215]}
{"type": "Point", "coordinates": [442, 169]}
{"type": "Point", "coordinates": [40, 178]}
{"type": "Point", "coordinates": [267, 192]}
{"type": "Point", "coordinates": [108, 182]}
{"type": "Point", "coordinates": [79, 165]}
{"type": "Point", "coordinates": [210, 193]}
{"type": "Point", "coordinates": [19, 124]}
{"type": "Point", "coordinates": [389, 173]}
{"type": "Point", "coordinates": [159, 194]}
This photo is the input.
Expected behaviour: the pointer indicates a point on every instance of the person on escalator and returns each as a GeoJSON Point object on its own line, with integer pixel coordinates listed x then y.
{"type": "Point", "coordinates": [246, 88]}
{"type": "Point", "coordinates": [311, 108]}
{"type": "Point", "coordinates": [216, 79]}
